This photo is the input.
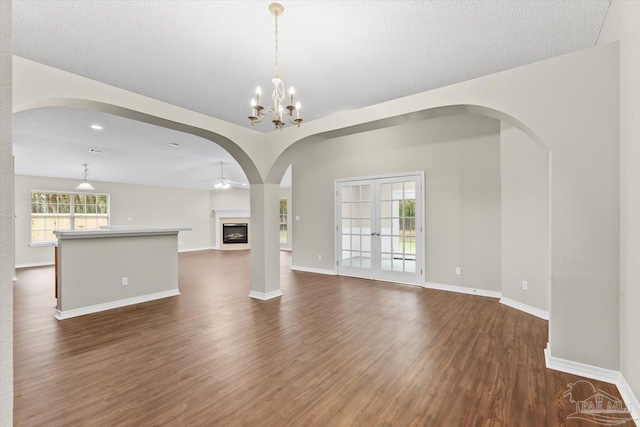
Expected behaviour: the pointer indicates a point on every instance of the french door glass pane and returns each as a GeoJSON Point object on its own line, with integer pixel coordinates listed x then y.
{"type": "Point", "coordinates": [366, 243]}
{"type": "Point", "coordinates": [346, 210]}
{"type": "Point", "coordinates": [386, 262]}
{"type": "Point", "coordinates": [346, 258]}
{"type": "Point", "coordinates": [366, 260]}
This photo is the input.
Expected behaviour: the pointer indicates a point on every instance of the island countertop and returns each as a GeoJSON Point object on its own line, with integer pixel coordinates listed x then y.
{"type": "Point", "coordinates": [120, 231]}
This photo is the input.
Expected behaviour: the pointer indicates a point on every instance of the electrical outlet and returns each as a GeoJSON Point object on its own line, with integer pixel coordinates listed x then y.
{"type": "Point", "coordinates": [525, 285]}
{"type": "Point", "coordinates": [319, 257]}
{"type": "Point", "coordinates": [125, 281]}
{"type": "Point", "coordinates": [458, 271]}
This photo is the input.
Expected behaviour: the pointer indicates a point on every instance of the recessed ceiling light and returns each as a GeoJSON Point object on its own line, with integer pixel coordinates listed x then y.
{"type": "Point", "coordinates": [96, 127]}
{"type": "Point", "coordinates": [173, 144]}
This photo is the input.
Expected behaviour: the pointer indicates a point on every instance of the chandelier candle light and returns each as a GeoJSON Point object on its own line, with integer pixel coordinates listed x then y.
{"type": "Point", "coordinates": [277, 110]}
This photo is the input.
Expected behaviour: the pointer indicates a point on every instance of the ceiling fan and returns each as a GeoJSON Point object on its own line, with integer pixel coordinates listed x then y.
{"type": "Point", "coordinates": [222, 183]}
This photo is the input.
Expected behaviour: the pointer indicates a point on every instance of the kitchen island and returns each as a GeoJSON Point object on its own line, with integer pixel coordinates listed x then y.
{"type": "Point", "coordinates": [113, 267]}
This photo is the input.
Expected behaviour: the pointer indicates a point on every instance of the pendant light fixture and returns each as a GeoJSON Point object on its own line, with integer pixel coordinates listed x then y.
{"type": "Point", "coordinates": [84, 185]}
{"type": "Point", "coordinates": [277, 110]}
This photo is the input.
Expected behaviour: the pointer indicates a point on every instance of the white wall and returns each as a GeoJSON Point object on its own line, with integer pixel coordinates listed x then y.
{"type": "Point", "coordinates": [461, 158]}
{"type": "Point", "coordinates": [623, 24]}
{"type": "Point", "coordinates": [146, 206]}
{"type": "Point", "coordinates": [233, 199]}
{"type": "Point", "coordinates": [6, 219]}
{"type": "Point", "coordinates": [525, 218]}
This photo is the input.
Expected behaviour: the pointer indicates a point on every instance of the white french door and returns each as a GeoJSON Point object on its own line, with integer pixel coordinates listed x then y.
{"type": "Point", "coordinates": [379, 228]}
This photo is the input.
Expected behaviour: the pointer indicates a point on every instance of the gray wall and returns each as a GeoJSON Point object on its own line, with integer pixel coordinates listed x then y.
{"type": "Point", "coordinates": [525, 218]}
{"type": "Point", "coordinates": [623, 24]}
{"type": "Point", "coordinates": [6, 219]}
{"type": "Point", "coordinates": [146, 206]}
{"type": "Point", "coordinates": [461, 158]}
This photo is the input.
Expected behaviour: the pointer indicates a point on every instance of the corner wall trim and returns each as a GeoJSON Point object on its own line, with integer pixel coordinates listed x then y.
{"type": "Point", "coordinates": [67, 314]}
{"type": "Point", "coordinates": [463, 290]}
{"type": "Point", "coordinates": [598, 374]}
{"type": "Point", "coordinates": [314, 270]}
{"type": "Point", "coordinates": [35, 264]}
{"type": "Point", "coordinates": [526, 308]}
{"type": "Point", "coordinates": [265, 296]}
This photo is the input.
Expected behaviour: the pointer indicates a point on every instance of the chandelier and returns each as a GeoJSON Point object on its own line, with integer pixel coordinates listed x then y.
{"type": "Point", "coordinates": [277, 110]}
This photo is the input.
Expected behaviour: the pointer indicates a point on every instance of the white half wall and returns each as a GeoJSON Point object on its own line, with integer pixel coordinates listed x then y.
{"type": "Point", "coordinates": [461, 158]}
{"type": "Point", "coordinates": [90, 270]}
{"type": "Point", "coordinates": [525, 219]}
{"type": "Point", "coordinates": [147, 206]}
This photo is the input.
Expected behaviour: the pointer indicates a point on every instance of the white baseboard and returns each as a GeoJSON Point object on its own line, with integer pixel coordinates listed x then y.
{"type": "Point", "coordinates": [526, 308]}
{"type": "Point", "coordinates": [66, 314]}
{"type": "Point", "coordinates": [598, 374]}
{"type": "Point", "coordinates": [463, 290]}
{"type": "Point", "coordinates": [314, 270]}
{"type": "Point", "coordinates": [196, 249]}
{"type": "Point", "coordinates": [265, 296]}
{"type": "Point", "coordinates": [629, 398]}
{"type": "Point", "coordinates": [35, 264]}
{"type": "Point", "coordinates": [577, 368]}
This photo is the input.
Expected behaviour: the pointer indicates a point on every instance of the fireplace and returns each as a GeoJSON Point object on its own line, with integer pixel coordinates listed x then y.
{"type": "Point", "coordinates": [235, 233]}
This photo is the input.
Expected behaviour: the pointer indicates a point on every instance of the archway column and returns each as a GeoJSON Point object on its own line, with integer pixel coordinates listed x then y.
{"type": "Point", "coordinates": [265, 242]}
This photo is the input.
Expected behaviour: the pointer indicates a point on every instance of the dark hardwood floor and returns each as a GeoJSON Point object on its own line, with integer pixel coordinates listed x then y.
{"type": "Point", "coordinates": [333, 351]}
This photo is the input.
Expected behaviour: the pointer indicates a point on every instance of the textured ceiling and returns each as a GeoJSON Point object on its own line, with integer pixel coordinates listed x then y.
{"type": "Point", "coordinates": [208, 56]}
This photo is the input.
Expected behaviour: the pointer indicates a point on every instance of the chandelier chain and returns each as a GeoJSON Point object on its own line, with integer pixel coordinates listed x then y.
{"type": "Point", "coordinates": [277, 71]}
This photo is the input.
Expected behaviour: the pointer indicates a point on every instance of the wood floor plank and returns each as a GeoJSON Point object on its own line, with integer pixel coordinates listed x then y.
{"type": "Point", "coordinates": [333, 351]}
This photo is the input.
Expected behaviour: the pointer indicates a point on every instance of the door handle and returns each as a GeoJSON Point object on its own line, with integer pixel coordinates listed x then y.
{"type": "Point", "coordinates": [377, 234]}
{"type": "Point", "coordinates": [373, 234]}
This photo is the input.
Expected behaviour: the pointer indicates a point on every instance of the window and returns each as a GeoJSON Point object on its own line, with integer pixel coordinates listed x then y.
{"type": "Point", "coordinates": [283, 220]}
{"type": "Point", "coordinates": [66, 211]}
